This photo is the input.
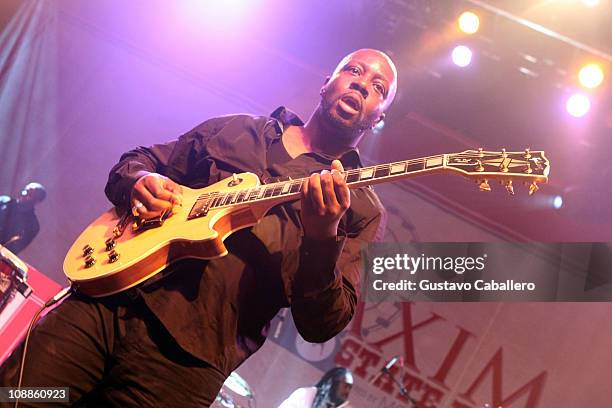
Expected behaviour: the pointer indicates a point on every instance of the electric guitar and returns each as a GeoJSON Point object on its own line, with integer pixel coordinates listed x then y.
{"type": "Point", "coordinates": [118, 250]}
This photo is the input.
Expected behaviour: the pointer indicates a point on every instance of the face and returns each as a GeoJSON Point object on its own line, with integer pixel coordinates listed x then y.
{"type": "Point", "coordinates": [342, 391]}
{"type": "Point", "coordinates": [33, 193]}
{"type": "Point", "coordinates": [341, 388]}
{"type": "Point", "coordinates": [359, 91]}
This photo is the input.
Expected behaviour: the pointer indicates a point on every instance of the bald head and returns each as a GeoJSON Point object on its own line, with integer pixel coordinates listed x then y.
{"type": "Point", "coordinates": [357, 94]}
{"type": "Point", "coordinates": [378, 61]}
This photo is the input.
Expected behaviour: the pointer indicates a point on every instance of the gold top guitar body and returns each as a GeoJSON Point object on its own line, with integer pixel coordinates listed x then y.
{"type": "Point", "coordinates": [118, 251]}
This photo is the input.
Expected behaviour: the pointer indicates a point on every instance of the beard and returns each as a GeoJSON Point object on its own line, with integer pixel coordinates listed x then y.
{"type": "Point", "coordinates": [345, 129]}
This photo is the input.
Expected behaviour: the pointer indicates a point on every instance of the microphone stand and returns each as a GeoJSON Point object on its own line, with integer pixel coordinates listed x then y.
{"type": "Point", "coordinates": [403, 391]}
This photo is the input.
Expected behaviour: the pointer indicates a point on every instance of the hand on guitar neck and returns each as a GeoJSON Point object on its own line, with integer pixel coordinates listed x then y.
{"type": "Point", "coordinates": [325, 199]}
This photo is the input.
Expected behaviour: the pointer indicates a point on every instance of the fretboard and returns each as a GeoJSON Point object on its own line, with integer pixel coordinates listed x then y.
{"type": "Point", "coordinates": [291, 189]}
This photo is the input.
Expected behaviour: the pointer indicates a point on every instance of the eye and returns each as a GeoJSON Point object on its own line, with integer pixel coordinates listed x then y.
{"type": "Point", "coordinates": [379, 88]}
{"type": "Point", "coordinates": [353, 70]}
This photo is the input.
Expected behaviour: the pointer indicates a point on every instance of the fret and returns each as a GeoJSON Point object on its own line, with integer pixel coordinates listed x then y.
{"type": "Point", "coordinates": [277, 190]}
{"type": "Point", "coordinates": [221, 199]}
{"type": "Point", "coordinates": [242, 194]}
{"type": "Point", "coordinates": [268, 193]}
{"type": "Point", "coordinates": [398, 168]}
{"type": "Point", "coordinates": [352, 177]}
{"type": "Point", "coordinates": [415, 166]}
{"type": "Point", "coordinates": [254, 194]}
{"type": "Point", "coordinates": [366, 173]}
{"type": "Point", "coordinates": [216, 200]}
{"type": "Point", "coordinates": [286, 188]}
{"type": "Point", "coordinates": [433, 162]}
{"type": "Point", "coordinates": [228, 198]}
{"type": "Point", "coordinates": [381, 171]}
{"type": "Point", "coordinates": [296, 186]}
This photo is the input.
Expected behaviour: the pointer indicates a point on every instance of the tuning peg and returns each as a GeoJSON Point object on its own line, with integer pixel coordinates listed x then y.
{"type": "Point", "coordinates": [504, 154]}
{"type": "Point", "coordinates": [479, 166]}
{"type": "Point", "coordinates": [509, 188]}
{"type": "Point", "coordinates": [527, 154]}
{"type": "Point", "coordinates": [533, 187]}
{"type": "Point", "coordinates": [480, 153]}
{"type": "Point", "coordinates": [483, 185]}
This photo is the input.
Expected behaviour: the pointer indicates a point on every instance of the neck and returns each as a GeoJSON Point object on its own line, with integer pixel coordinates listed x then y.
{"type": "Point", "coordinates": [320, 136]}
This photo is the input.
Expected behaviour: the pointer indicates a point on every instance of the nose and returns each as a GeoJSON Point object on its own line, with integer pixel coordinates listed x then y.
{"type": "Point", "coordinates": [359, 87]}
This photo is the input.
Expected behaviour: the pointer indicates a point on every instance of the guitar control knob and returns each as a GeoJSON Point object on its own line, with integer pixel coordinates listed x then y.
{"type": "Point", "coordinates": [90, 261]}
{"type": "Point", "coordinates": [110, 244]}
{"type": "Point", "coordinates": [484, 185]}
{"type": "Point", "coordinates": [509, 188]}
{"type": "Point", "coordinates": [87, 250]}
{"type": "Point", "coordinates": [113, 256]}
{"type": "Point", "coordinates": [235, 181]}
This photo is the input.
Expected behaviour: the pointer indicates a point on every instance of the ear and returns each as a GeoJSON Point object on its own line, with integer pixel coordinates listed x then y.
{"type": "Point", "coordinates": [322, 90]}
{"type": "Point", "coordinates": [379, 119]}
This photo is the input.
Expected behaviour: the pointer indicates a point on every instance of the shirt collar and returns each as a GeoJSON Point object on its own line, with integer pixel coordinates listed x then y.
{"type": "Point", "coordinates": [283, 118]}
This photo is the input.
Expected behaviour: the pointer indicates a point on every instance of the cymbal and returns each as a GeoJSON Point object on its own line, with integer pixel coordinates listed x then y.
{"type": "Point", "coordinates": [238, 385]}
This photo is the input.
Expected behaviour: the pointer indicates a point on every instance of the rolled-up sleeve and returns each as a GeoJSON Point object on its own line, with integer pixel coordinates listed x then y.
{"type": "Point", "coordinates": [326, 285]}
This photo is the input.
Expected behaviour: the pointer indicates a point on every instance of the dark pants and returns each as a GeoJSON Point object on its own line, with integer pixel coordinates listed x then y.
{"type": "Point", "coordinates": [112, 352]}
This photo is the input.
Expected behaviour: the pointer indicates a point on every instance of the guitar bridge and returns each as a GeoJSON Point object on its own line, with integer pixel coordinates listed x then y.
{"type": "Point", "coordinates": [140, 224]}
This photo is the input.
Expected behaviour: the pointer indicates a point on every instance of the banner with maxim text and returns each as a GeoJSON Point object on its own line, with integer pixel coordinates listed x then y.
{"type": "Point", "coordinates": [458, 355]}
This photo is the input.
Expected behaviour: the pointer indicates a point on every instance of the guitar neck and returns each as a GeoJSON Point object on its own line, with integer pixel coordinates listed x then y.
{"type": "Point", "coordinates": [383, 173]}
{"type": "Point", "coordinates": [290, 190]}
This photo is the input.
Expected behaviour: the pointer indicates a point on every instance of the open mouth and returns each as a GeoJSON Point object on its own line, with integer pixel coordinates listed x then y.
{"type": "Point", "coordinates": [350, 104]}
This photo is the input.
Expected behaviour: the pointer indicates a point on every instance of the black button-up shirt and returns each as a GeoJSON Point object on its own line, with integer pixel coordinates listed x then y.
{"type": "Point", "coordinates": [219, 310]}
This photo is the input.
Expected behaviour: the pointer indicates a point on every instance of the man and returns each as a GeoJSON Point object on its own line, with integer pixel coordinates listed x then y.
{"type": "Point", "coordinates": [18, 222]}
{"type": "Point", "coordinates": [174, 339]}
{"type": "Point", "coordinates": [332, 391]}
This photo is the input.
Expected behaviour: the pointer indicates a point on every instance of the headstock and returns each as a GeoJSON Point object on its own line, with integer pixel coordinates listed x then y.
{"type": "Point", "coordinates": [529, 167]}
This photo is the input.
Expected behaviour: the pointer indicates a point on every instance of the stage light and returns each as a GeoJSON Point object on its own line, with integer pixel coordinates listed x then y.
{"type": "Point", "coordinates": [380, 125]}
{"type": "Point", "coordinates": [578, 105]}
{"type": "Point", "coordinates": [590, 3]}
{"type": "Point", "coordinates": [591, 76]}
{"type": "Point", "coordinates": [557, 202]}
{"type": "Point", "coordinates": [462, 56]}
{"type": "Point", "coordinates": [216, 15]}
{"type": "Point", "coordinates": [468, 22]}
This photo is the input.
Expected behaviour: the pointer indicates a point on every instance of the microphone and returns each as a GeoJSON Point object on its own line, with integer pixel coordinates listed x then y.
{"type": "Point", "coordinates": [390, 364]}
{"type": "Point", "coordinates": [385, 369]}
